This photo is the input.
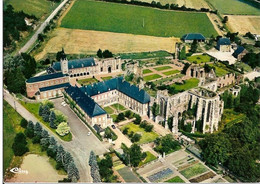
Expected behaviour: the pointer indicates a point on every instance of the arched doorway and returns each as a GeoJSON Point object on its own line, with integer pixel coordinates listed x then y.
{"type": "Point", "coordinates": [109, 69]}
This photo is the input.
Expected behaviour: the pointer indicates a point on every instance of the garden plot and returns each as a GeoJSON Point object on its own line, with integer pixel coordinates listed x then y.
{"type": "Point", "coordinates": [161, 175]}
{"type": "Point", "coordinates": [152, 77]}
{"type": "Point", "coordinates": [128, 175]}
{"type": "Point", "coordinates": [194, 170]}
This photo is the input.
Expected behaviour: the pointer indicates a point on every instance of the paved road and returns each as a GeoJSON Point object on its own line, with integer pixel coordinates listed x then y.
{"type": "Point", "coordinates": [41, 28]}
{"type": "Point", "coordinates": [79, 147]}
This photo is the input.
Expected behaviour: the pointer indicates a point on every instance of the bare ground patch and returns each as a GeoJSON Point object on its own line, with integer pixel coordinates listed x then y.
{"type": "Point", "coordinates": [76, 41]}
{"type": "Point", "coordinates": [244, 24]}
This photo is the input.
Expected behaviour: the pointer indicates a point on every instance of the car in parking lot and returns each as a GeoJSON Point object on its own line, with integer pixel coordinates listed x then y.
{"type": "Point", "coordinates": [89, 133]}
{"type": "Point", "coordinates": [113, 126]}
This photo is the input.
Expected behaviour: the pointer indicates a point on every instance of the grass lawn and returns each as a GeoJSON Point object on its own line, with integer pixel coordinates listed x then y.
{"type": "Point", "coordinates": [103, 16]}
{"type": "Point", "coordinates": [220, 71]}
{"type": "Point", "coordinates": [87, 81]}
{"type": "Point", "coordinates": [229, 118]}
{"type": "Point", "coordinates": [113, 116]}
{"type": "Point", "coordinates": [34, 109]}
{"type": "Point", "coordinates": [199, 59]}
{"type": "Point", "coordinates": [109, 110]}
{"type": "Point", "coordinates": [144, 55]}
{"type": "Point", "coordinates": [171, 72]}
{"type": "Point", "coordinates": [188, 84]}
{"type": "Point", "coordinates": [119, 107]}
{"type": "Point", "coordinates": [146, 136]}
{"type": "Point", "coordinates": [150, 157]}
{"type": "Point", "coordinates": [38, 8]}
{"type": "Point", "coordinates": [152, 77]}
{"type": "Point", "coordinates": [245, 66]}
{"type": "Point", "coordinates": [106, 78]}
{"type": "Point", "coordinates": [128, 175]}
{"type": "Point", "coordinates": [11, 126]}
{"type": "Point", "coordinates": [239, 7]}
{"type": "Point", "coordinates": [175, 179]}
{"type": "Point", "coordinates": [163, 68]}
{"type": "Point", "coordinates": [193, 170]}
{"type": "Point", "coordinates": [145, 71]}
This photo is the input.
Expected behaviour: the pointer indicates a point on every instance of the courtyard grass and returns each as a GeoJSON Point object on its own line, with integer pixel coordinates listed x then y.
{"type": "Point", "coordinates": [90, 15]}
{"type": "Point", "coordinates": [109, 110]}
{"type": "Point", "coordinates": [175, 179]}
{"type": "Point", "coordinates": [239, 7]}
{"type": "Point", "coordinates": [171, 72]}
{"type": "Point", "coordinates": [118, 106]}
{"type": "Point", "coordinates": [220, 71]}
{"type": "Point", "coordinates": [150, 157]}
{"type": "Point", "coordinates": [146, 136]}
{"type": "Point", "coordinates": [114, 116]}
{"type": "Point", "coordinates": [87, 81]}
{"type": "Point", "coordinates": [34, 109]}
{"type": "Point", "coordinates": [145, 71]}
{"type": "Point", "coordinates": [152, 77]}
{"type": "Point", "coordinates": [38, 8]}
{"type": "Point", "coordinates": [188, 84]}
{"type": "Point", "coordinates": [162, 68]}
{"type": "Point", "coordinates": [144, 55]}
{"type": "Point", "coordinates": [194, 170]}
{"type": "Point", "coordinates": [106, 78]}
{"type": "Point", "coordinates": [198, 59]}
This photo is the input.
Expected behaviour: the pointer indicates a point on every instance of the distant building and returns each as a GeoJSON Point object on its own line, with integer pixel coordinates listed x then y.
{"type": "Point", "coordinates": [240, 52]}
{"type": "Point", "coordinates": [189, 38]}
{"type": "Point", "coordinates": [224, 45]}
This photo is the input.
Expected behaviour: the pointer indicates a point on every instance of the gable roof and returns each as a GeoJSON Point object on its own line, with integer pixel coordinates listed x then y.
{"type": "Point", "coordinates": [54, 87]}
{"type": "Point", "coordinates": [238, 51]}
{"type": "Point", "coordinates": [117, 84]}
{"type": "Point", "coordinates": [193, 36]}
{"type": "Point", "coordinates": [77, 63]}
{"type": "Point", "coordinates": [85, 102]}
{"type": "Point", "coordinates": [224, 41]}
{"type": "Point", "coordinates": [45, 77]}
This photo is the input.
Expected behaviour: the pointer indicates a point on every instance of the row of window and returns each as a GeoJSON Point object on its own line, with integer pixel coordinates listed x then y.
{"type": "Point", "coordinates": [49, 83]}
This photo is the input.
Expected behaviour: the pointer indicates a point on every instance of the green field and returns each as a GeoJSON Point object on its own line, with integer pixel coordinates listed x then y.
{"type": "Point", "coordinates": [145, 71]}
{"type": "Point", "coordinates": [193, 170]}
{"type": "Point", "coordinates": [146, 136]}
{"type": "Point", "coordinates": [11, 126]}
{"type": "Point", "coordinates": [119, 107]}
{"type": "Point", "coordinates": [119, 18]}
{"type": "Point", "coordinates": [171, 72]}
{"type": "Point", "coordinates": [87, 81]}
{"type": "Point", "coordinates": [220, 71]}
{"type": "Point", "coordinates": [238, 7]}
{"type": "Point", "coordinates": [163, 68]}
{"type": "Point", "coordinates": [150, 157]}
{"type": "Point", "coordinates": [152, 77]}
{"type": "Point", "coordinates": [38, 8]}
{"type": "Point", "coordinates": [109, 110]}
{"type": "Point", "coordinates": [188, 84]}
{"type": "Point", "coordinates": [144, 55]}
{"type": "Point", "coordinates": [106, 78]}
{"type": "Point", "coordinates": [199, 59]}
{"type": "Point", "coordinates": [175, 179]}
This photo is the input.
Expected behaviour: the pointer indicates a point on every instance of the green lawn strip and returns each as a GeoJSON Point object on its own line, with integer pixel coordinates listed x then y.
{"type": "Point", "coordinates": [144, 55]}
{"type": "Point", "coordinates": [146, 136]}
{"type": "Point", "coordinates": [175, 179]}
{"type": "Point", "coordinates": [171, 72]}
{"type": "Point", "coordinates": [109, 110]}
{"type": "Point", "coordinates": [150, 157]}
{"type": "Point", "coordinates": [162, 68]}
{"type": "Point", "coordinates": [145, 71]}
{"type": "Point", "coordinates": [152, 77]}
{"type": "Point", "coordinates": [34, 109]}
{"type": "Point", "coordinates": [87, 81]}
{"type": "Point", "coordinates": [38, 8]}
{"type": "Point", "coordinates": [219, 70]}
{"type": "Point", "coordinates": [118, 106]}
{"type": "Point", "coordinates": [235, 7]}
{"type": "Point", "coordinates": [91, 16]}
{"type": "Point", "coordinates": [245, 66]}
{"type": "Point", "coordinates": [167, 79]}
{"type": "Point", "coordinates": [106, 78]}
{"type": "Point", "coordinates": [197, 59]}
{"type": "Point", "coordinates": [190, 83]}
{"type": "Point", "coordinates": [193, 170]}
{"type": "Point", "coordinates": [128, 175]}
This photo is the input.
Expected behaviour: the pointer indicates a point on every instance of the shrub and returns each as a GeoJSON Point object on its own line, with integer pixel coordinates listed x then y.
{"type": "Point", "coordinates": [136, 137]}
{"type": "Point", "coordinates": [120, 117]}
{"type": "Point", "coordinates": [36, 140]}
{"type": "Point", "coordinates": [125, 131]}
{"type": "Point", "coordinates": [131, 134]}
{"type": "Point", "coordinates": [19, 145]}
{"type": "Point", "coordinates": [63, 129]}
{"type": "Point", "coordinates": [128, 113]}
{"type": "Point", "coordinates": [29, 133]}
{"type": "Point", "coordinates": [24, 123]}
{"type": "Point", "coordinates": [148, 128]}
{"type": "Point", "coordinates": [138, 119]}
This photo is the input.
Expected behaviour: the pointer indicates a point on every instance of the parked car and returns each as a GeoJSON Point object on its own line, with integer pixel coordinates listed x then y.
{"type": "Point", "coordinates": [113, 126]}
{"type": "Point", "coordinates": [89, 133]}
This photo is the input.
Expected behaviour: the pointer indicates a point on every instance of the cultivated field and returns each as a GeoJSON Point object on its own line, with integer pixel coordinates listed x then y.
{"type": "Point", "coordinates": [76, 41]}
{"type": "Point", "coordinates": [236, 7]}
{"type": "Point", "coordinates": [244, 24]}
{"type": "Point", "coordinates": [102, 16]}
{"type": "Point", "coordinates": [38, 8]}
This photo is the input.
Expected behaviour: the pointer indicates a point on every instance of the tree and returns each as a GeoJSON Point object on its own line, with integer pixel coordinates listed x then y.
{"type": "Point", "coordinates": [37, 129]}
{"type": "Point", "coordinates": [187, 127]}
{"type": "Point", "coordinates": [24, 123]}
{"type": "Point", "coordinates": [29, 132]}
{"type": "Point", "coordinates": [19, 146]}
{"type": "Point", "coordinates": [186, 66]}
{"type": "Point", "coordinates": [170, 123]}
{"type": "Point", "coordinates": [52, 119]}
{"type": "Point", "coordinates": [67, 160]}
{"type": "Point", "coordinates": [155, 110]}
{"type": "Point", "coordinates": [135, 154]}
{"type": "Point", "coordinates": [125, 131]}
{"type": "Point", "coordinates": [107, 54]}
{"type": "Point", "coordinates": [40, 110]}
{"type": "Point", "coordinates": [63, 129]}
{"type": "Point", "coordinates": [128, 113]}
{"type": "Point", "coordinates": [40, 37]}
{"type": "Point", "coordinates": [46, 113]}
{"type": "Point", "coordinates": [52, 141]}
{"type": "Point", "coordinates": [44, 134]}
{"type": "Point", "coordinates": [194, 46]}
{"type": "Point", "coordinates": [15, 81]}
{"type": "Point", "coordinates": [73, 172]}
{"type": "Point", "coordinates": [120, 117]}
{"type": "Point", "coordinates": [60, 155]}
{"type": "Point", "coordinates": [136, 137]}
{"type": "Point", "coordinates": [44, 142]}
{"type": "Point", "coordinates": [29, 65]}
{"type": "Point", "coordinates": [148, 128]}
{"type": "Point", "coordinates": [99, 53]}
{"type": "Point", "coordinates": [92, 157]}
{"type": "Point", "coordinates": [225, 19]}
{"type": "Point", "coordinates": [138, 119]}
{"type": "Point", "coordinates": [182, 54]}
{"type": "Point", "coordinates": [105, 168]}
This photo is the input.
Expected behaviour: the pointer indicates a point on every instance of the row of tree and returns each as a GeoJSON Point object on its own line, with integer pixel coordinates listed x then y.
{"type": "Point", "coordinates": [105, 169]}
{"type": "Point", "coordinates": [94, 169]}
{"type": "Point", "coordinates": [104, 54]}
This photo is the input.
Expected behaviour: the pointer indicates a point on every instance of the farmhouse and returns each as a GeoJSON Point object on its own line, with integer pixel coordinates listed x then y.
{"type": "Point", "coordinates": [240, 52]}
{"type": "Point", "coordinates": [224, 45]}
{"type": "Point", "coordinates": [189, 38]}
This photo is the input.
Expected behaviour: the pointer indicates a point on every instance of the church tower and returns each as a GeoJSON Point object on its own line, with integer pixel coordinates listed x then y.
{"type": "Point", "coordinates": [64, 63]}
